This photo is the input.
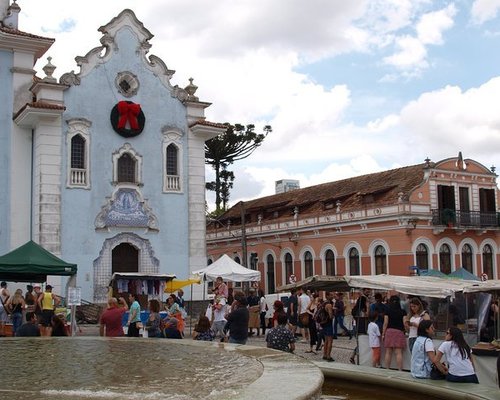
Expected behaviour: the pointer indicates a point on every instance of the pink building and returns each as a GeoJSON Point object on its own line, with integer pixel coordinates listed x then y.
{"type": "Point", "coordinates": [436, 215]}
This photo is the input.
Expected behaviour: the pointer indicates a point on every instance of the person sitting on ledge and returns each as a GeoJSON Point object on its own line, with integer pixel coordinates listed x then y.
{"type": "Point", "coordinates": [30, 328]}
{"type": "Point", "coordinates": [280, 337]}
{"type": "Point", "coordinates": [171, 329]}
{"type": "Point", "coordinates": [423, 356]}
{"type": "Point", "coordinates": [459, 357]}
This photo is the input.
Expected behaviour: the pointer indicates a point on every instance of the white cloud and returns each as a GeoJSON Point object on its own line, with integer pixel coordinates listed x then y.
{"type": "Point", "coordinates": [484, 10]}
{"type": "Point", "coordinates": [249, 58]}
{"type": "Point", "coordinates": [431, 25]}
{"type": "Point", "coordinates": [412, 54]}
{"type": "Point", "coordinates": [412, 50]}
{"type": "Point", "coordinates": [447, 120]}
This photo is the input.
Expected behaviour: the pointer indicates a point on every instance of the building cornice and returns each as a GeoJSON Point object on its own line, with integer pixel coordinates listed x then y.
{"type": "Point", "coordinates": [15, 40]}
{"type": "Point", "coordinates": [31, 113]}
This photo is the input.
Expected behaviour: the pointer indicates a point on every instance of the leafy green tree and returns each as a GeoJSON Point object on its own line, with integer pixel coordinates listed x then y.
{"type": "Point", "coordinates": [238, 142]}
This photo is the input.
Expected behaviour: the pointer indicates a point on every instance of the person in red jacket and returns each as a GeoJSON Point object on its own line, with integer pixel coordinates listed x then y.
{"type": "Point", "coordinates": [111, 319]}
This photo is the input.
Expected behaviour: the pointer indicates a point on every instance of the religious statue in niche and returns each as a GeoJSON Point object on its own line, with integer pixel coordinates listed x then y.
{"type": "Point", "coordinates": [126, 209]}
{"type": "Point", "coordinates": [127, 119]}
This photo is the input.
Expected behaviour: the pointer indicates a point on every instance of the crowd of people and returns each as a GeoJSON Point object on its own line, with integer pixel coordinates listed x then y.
{"type": "Point", "coordinates": [31, 314]}
{"type": "Point", "coordinates": [390, 323]}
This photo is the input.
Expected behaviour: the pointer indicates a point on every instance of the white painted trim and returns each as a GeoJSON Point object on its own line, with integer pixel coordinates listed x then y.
{"type": "Point", "coordinates": [430, 250]}
{"type": "Point", "coordinates": [322, 255]}
{"type": "Point", "coordinates": [453, 252]}
{"type": "Point", "coordinates": [494, 249]}
{"type": "Point", "coordinates": [78, 126]}
{"type": "Point", "coordinates": [347, 248]}
{"type": "Point", "coordinates": [302, 260]}
{"type": "Point", "coordinates": [267, 253]}
{"type": "Point", "coordinates": [173, 136]}
{"type": "Point", "coordinates": [371, 252]}
{"type": "Point", "coordinates": [127, 148]}
{"type": "Point", "coordinates": [283, 264]}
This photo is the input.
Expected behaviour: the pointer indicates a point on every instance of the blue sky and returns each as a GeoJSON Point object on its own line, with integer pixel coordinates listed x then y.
{"type": "Point", "coordinates": [349, 87]}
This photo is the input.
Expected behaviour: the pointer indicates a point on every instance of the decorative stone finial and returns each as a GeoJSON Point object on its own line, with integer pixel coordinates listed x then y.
{"type": "Point", "coordinates": [49, 70]}
{"type": "Point", "coordinates": [338, 204]}
{"type": "Point", "coordinates": [427, 162]}
{"type": "Point", "coordinates": [493, 168]}
{"type": "Point", "coordinates": [9, 15]}
{"type": "Point", "coordinates": [191, 90]}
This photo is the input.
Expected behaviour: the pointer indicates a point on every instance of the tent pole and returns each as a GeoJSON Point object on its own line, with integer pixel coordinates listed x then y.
{"type": "Point", "coordinates": [72, 283]}
{"type": "Point", "coordinates": [191, 312]}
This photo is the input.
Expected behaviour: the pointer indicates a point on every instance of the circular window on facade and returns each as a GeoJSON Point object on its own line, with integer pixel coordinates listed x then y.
{"type": "Point", "coordinates": [127, 83]}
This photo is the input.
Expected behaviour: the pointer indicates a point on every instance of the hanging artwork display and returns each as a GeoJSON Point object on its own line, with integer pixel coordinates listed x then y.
{"type": "Point", "coordinates": [127, 119]}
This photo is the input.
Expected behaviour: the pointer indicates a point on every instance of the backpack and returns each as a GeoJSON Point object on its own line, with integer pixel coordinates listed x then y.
{"type": "Point", "coordinates": [321, 316]}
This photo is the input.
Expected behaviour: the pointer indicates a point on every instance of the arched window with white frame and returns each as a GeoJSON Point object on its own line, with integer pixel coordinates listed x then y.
{"type": "Point", "coordinates": [422, 256]}
{"type": "Point", "coordinates": [288, 267]}
{"type": "Point", "coordinates": [308, 264]}
{"type": "Point", "coordinates": [78, 160]}
{"type": "Point", "coordinates": [380, 260]}
{"type": "Point", "coordinates": [487, 257]}
{"type": "Point", "coordinates": [126, 169]}
{"type": "Point", "coordinates": [354, 263]}
{"type": "Point", "coordinates": [445, 259]}
{"type": "Point", "coordinates": [467, 255]}
{"type": "Point", "coordinates": [172, 159]}
{"type": "Point", "coordinates": [330, 262]}
{"type": "Point", "coordinates": [271, 286]}
{"type": "Point", "coordinates": [172, 174]}
{"type": "Point", "coordinates": [127, 166]}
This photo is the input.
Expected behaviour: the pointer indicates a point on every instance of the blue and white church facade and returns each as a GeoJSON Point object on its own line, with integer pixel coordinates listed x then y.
{"type": "Point", "coordinates": [105, 167]}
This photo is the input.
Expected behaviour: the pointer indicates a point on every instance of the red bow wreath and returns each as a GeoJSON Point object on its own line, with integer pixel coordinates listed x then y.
{"type": "Point", "coordinates": [127, 112]}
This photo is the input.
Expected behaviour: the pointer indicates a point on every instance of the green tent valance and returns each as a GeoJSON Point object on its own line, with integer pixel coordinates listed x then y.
{"type": "Point", "coordinates": [32, 263]}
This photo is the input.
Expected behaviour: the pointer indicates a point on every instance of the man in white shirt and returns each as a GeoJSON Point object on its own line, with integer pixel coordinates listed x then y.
{"type": "Point", "coordinates": [304, 301]}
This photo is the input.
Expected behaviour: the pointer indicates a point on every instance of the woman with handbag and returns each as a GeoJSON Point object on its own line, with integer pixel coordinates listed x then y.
{"type": "Point", "coordinates": [423, 356]}
{"type": "Point", "coordinates": [459, 357]}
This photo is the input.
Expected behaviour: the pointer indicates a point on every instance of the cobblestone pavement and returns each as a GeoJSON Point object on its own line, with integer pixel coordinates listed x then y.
{"type": "Point", "coordinates": [342, 347]}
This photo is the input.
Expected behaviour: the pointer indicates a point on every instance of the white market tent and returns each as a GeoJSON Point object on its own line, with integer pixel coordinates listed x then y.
{"type": "Point", "coordinates": [229, 270]}
{"type": "Point", "coordinates": [415, 285]}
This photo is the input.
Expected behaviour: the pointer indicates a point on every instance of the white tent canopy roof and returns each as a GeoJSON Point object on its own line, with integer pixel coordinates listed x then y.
{"type": "Point", "coordinates": [415, 285]}
{"type": "Point", "coordinates": [229, 270]}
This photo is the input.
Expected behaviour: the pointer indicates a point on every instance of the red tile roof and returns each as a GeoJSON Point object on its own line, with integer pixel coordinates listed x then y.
{"type": "Point", "coordinates": [208, 123]}
{"type": "Point", "coordinates": [41, 105]}
{"type": "Point", "coordinates": [17, 32]}
{"type": "Point", "coordinates": [380, 188]}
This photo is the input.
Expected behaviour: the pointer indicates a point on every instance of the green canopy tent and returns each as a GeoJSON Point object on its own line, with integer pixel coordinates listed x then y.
{"type": "Point", "coordinates": [32, 263]}
{"type": "Point", "coordinates": [462, 273]}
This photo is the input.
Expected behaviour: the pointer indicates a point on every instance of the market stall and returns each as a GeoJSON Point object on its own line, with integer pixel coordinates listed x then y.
{"type": "Point", "coordinates": [444, 295]}
{"type": "Point", "coordinates": [145, 286]}
{"type": "Point", "coordinates": [228, 270]}
{"type": "Point", "coordinates": [32, 263]}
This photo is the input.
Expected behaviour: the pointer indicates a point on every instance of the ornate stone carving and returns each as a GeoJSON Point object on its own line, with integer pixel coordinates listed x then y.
{"type": "Point", "coordinates": [148, 263]}
{"type": "Point", "coordinates": [70, 79]}
{"type": "Point", "coordinates": [126, 209]}
{"type": "Point", "coordinates": [127, 83]}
